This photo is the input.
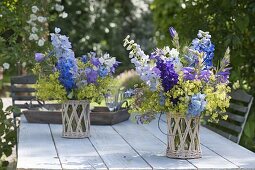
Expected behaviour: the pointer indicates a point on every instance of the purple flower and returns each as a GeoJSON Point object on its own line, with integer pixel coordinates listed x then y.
{"type": "Point", "coordinates": [189, 73]}
{"type": "Point", "coordinates": [156, 70]}
{"type": "Point", "coordinates": [95, 61]}
{"type": "Point", "coordinates": [91, 75]}
{"type": "Point", "coordinates": [115, 65]}
{"type": "Point", "coordinates": [153, 55]}
{"type": "Point", "coordinates": [205, 75]}
{"type": "Point", "coordinates": [39, 57]}
{"type": "Point", "coordinates": [223, 75]}
{"type": "Point", "coordinates": [172, 32]}
{"type": "Point", "coordinates": [84, 58]}
{"type": "Point", "coordinates": [167, 74]}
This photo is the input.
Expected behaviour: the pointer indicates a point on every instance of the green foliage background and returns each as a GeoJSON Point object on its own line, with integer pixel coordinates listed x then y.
{"type": "Point", "coordinates": [102, 26]}
{"type": "Point", "coordinates": [230, 22]}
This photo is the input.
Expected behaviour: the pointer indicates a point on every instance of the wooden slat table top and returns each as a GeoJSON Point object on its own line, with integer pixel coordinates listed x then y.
{"type": "Point", "coordinates": [122, 146]}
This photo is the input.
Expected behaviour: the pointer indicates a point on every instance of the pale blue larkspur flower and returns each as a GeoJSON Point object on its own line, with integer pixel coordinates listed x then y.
{"type": "Point", "coordinates": [197, 105]}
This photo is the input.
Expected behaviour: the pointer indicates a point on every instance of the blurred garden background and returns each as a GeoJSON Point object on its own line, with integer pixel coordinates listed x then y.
{"type": "Point", "coordinates": [94, 25]}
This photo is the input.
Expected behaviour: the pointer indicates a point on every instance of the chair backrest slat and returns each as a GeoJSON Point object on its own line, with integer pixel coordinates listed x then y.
{"type": "Point", "coordinates": [23, 98]}
{"type": "Point", "coordinates": [238, 108]}
{"type": "Point", "coordinates": [241, 95]}
{"type": "Point", "coordinates": [28, 79]}
{"type": "Point", "coordinates": [235, 117]}
{"type": "Point", "coordinates": [238, 111]}
{"type": "Point", "coordinates": [230, 126]}
{"type": "Point", "coordinates": [22, 91]}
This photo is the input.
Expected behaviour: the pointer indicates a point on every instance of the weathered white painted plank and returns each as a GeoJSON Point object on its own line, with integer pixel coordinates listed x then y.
{"type": "Point", "coordinates": [209, 160]}
{"type": "Point", "coordinates": [76, 153]}
{"type": "Point", "coordinates": [149, 147]}
{"type": "Point", "coordinates": [235, 153]}
{"type": "Point", "coordinates": [116, 153]}
{"type": "Point", "coordinates": [36, 149]}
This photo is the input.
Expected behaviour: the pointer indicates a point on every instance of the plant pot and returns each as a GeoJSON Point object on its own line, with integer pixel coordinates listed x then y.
{"type": "Point", "coordinates": [183, 140]}
{"type": "Point", "coordinates": [75, 119]}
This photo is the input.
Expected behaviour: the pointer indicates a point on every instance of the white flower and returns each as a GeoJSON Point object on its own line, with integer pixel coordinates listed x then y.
{"type": "Point", "coordinates": [33, 37]}
{"type": "Point", "coordinates": [24, 64]}
{"type": "Point", "coordinates": [101, 60]}
{"type": "Point", "coordinates": [107, 60]}
{"type": "Point", "coordinates": [6, 66]}
{"type": "Point", "coordinates": [34, 29]}
{"type": "Point", "coordinates": [35, 9]}
{"type": "Point", "coordinates": [166, 50]}
{"type": "Point", "coordinates": [41, 42]}
{"type": "Point", "coordinates": [59, 8]}
{"type": "Point", "coordinates": [1, 15]}
{"type": "Point", "coordinates": [57, 30]}
{"type": "Point", "coordinates": [112, 25]}
{"type": "Point", "coordinates": [178, 66]}
{"type": "Point", "coordinates": [174, 53]}
{"type": "Point", "coordinates": [30, 22]}
{"type": "Point", "coordinates": [111, 62]}
{"type": "Point", "coordinates": [42, 19]}
{"type": "Point", "coordinates": [33, 17]}
{"type": "Point", "coordinates": [63, 15]}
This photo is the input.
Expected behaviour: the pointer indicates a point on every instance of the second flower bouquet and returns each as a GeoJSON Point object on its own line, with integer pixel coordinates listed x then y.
{"type": "Point", "coordinates": [183, 83]}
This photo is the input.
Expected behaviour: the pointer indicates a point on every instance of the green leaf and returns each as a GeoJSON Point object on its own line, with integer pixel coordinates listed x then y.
{"type": "Point", "coordinates": [70, 95]}
{"type": "Point", "coordinates": [250, 127]}
{"type": "Point", "coordinates": [13, 109]}
{"type": "Point", "coordinates": [5, 163]}
{"type": "Point", "coordinates": [242, 22]}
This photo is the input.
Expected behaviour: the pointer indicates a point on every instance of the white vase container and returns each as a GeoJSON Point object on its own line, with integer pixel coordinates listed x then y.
{"type": "Point", "coordinates": [75, 119]}
{"type": "Point", "coordinates": [183, 140]}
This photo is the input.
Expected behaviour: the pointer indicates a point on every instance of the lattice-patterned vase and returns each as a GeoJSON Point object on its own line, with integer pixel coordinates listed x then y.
{"type": "Point", "coordinates": [183, 140]}
{"type": "Point", "coordinates": [76, 119]}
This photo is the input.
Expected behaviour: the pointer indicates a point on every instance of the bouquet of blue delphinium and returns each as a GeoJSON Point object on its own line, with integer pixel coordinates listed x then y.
{"type": "Point", "coordinates": [182, 81]}
{"type": "Point", "coordinates": [64, 77]}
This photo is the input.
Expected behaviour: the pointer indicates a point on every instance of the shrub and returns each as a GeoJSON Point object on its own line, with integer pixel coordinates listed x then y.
{"type": "Point", "coordinates": [7, 133]}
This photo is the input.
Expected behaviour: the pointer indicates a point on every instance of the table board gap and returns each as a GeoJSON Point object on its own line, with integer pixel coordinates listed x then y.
{"type": "Point", "coordinates": [132, 147]}
{"type": "Point", "coordinates": [98, 154]}
{"type": "Point", "coordinates": [55, 145]}
{"type": "Point", "coordinates": [220, 155]}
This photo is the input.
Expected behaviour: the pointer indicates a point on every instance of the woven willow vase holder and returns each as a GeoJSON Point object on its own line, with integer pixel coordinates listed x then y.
{"type": "Point", "coordinates": [183, 140]}
{"type": "Point", "coordinates": [75, 119]}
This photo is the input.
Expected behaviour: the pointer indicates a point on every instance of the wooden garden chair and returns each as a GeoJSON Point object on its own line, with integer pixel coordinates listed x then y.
{"type": "Point", "coordinates": [238, 111]}
{"type": "Point", "coordinates": [23, 94]}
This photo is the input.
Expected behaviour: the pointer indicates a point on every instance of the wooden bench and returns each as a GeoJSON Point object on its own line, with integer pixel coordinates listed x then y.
{"type": "Point", "coordinates": [238, 112]}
